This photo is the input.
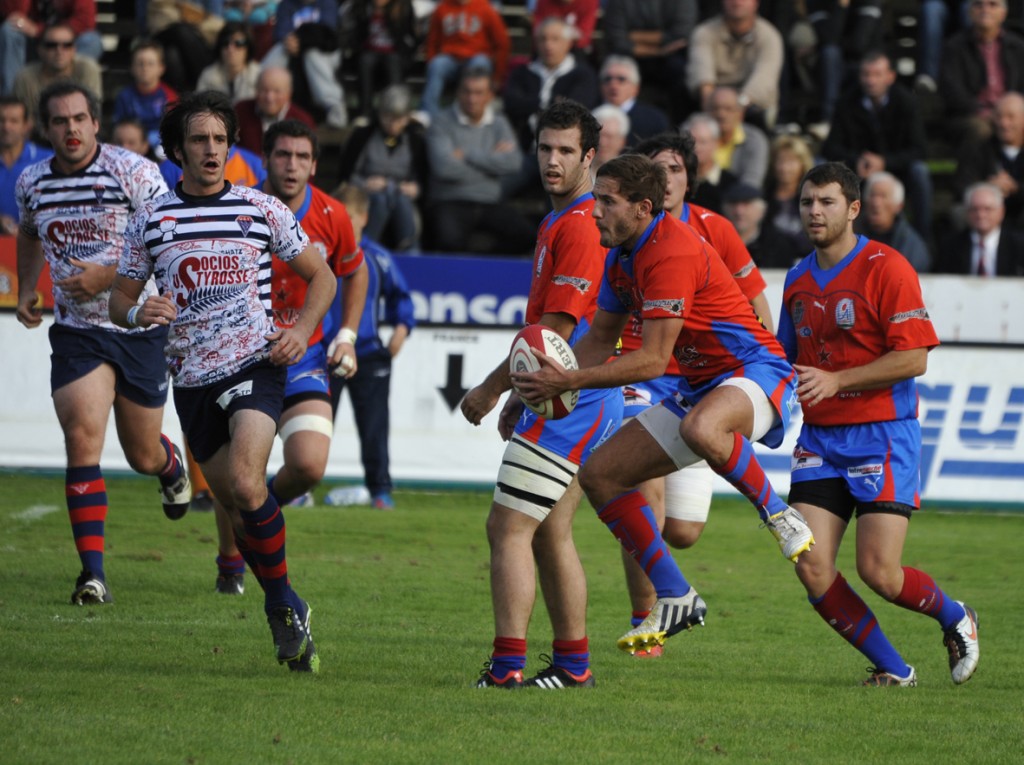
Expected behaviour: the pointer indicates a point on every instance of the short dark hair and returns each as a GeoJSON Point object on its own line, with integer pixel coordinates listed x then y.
{"type": "Point", "coordinates": [678, 143]}
{"type": "Point", "coordinates": [835, 172]}
{"type": "Point", "coordinates": [174, 124]}
{"type": "Point", "coordinates": [15, 101]}
{"type": "Point", "coordinates": [566, 114]}
{"type": "Point", "coordinates": [293, 129]}
{"type": "Point", "coordinates": [147, 43]}
{"type": "Point", "coordinates": [230, 31]}
{"type": "Point", "coordinates": [639, 179]}
{"type": "Point", "coordinates": [62, 88]}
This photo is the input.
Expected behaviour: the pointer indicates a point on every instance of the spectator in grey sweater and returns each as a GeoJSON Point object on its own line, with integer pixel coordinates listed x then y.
{"type": "Point", "coordinates": [471, 148]}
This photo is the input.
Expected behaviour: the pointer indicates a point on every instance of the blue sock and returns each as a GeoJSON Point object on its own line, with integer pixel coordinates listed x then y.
{"type": "Point", "coordinates": [632, 521]}
{"type": "Point", "coordinates": [571, 655]}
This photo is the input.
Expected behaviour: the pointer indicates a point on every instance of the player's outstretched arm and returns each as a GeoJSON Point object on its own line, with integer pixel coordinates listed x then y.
{"type": "Point", "coordinates": [646, 363]}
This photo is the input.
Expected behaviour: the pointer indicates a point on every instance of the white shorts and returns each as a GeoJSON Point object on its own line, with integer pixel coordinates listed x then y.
{"type": "Point", "coordinates": [532, 479]}
{"type": "Point", "coordinates": [663, 424]}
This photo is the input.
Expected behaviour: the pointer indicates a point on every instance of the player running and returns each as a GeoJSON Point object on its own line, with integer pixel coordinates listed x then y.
{"type": "Point", "coordinates": [855, 326]}
{"type": "Point", "coordinates": [209, 245]}
{"type": "Point", "coordinates": [74, 209]}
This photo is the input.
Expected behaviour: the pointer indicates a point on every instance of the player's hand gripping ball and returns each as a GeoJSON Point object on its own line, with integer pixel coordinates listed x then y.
{"type": "Point", "coordinates": [550, 343]}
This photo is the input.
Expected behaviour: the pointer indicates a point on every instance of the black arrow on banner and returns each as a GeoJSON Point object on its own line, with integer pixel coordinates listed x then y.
{"type": "Point", "coordinates": [452, 392]}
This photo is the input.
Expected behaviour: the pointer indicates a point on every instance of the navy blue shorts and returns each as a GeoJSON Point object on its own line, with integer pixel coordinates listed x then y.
{"type": "Point", "coordinates": [205, 412]}
{"type": "Point", "coordinates": [137, 359]}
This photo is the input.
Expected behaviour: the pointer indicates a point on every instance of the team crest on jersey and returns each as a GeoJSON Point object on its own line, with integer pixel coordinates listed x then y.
{"type": "Point", "coordinates": [245, 223]}
{"type": "Point", "coordinates": [578, 282]}
{"type": "Point", "coordinates": [798, 311]}
{"type": "Point", "coordinates": [540, 258]}
{"type": "Point", "coordinates": [167, 227]}
{"type": "Point", "coordinates": [844, 314]}
{"type": "Point", "coordinates": [673, 306]}
{"type": "Point", "coordinates": [98, 191]}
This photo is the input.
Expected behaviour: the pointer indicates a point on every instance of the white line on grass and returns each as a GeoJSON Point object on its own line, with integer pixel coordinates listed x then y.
{"type": "Point", "coordinates": [35, 512]}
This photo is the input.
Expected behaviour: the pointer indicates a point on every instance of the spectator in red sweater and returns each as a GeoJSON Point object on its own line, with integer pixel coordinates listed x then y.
{"type": "Point", "coordinates": [463, 33]}
{"type": "Point", "coordinates": [25, 20]}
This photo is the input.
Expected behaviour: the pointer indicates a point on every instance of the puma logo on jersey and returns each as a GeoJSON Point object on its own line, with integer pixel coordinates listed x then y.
{"type": "Point", "coordinates": [579, 212]}
{"type": "Point", "coordinates": [876, 255]}
{"type": "Point", "coordinates": [819, 305]}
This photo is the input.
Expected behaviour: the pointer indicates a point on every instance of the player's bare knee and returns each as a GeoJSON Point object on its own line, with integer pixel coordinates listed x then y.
{"type": "Point", "coordinates": [885, 581]}
{"type": "Point", "coordinates": [681, 534]}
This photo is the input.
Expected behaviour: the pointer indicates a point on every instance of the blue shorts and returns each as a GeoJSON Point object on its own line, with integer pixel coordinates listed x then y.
{"type": "Point", "coordinates": [776, 378]}
{"type": "Point", "coordinates": [878, 463]}
{"type": "Point", "coordinates": [309, 377]}
{"type": "Point", "coordinates": [596, 417]}
{"type": "Point", "coordinates": [137, 359]}
{"type": "Point", "coordinates": [205, 412]}
{"type": "Point", "coordinates": [643, 395]}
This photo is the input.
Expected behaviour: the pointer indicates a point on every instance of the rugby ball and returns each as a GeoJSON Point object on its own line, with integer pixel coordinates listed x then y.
{"type": "Point", "coordinates": [552, 344]}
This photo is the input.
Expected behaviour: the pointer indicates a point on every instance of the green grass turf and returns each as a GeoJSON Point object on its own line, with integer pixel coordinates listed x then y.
{"type": "Point", "coordinates": [174, 673]}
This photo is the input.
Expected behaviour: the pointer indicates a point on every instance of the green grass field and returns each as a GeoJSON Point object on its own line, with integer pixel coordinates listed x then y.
{"type": "Point", "coordinates": [174, 673]}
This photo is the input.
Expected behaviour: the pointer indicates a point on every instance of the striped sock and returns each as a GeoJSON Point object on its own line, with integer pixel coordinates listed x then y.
{"type": "Point", "coordinates": [921, 594]}
{"type": "Point", "coordinates": [230, 565]}
{"type": "Point", "coordinates": [847, 614]}
{"type": "Point", "coordinates": [250, 558]}
{"type": "Point", "coordinates": [509, 655]}
{"type": "Point", "coordinates": [632, 521]}
{"type": "Point", "coordinates": [264, 537]}
{"type": "Point", "coordinates": [86, 494]}
{"type": "Point", "coordinates": [638, 617]}
{"type": "Point", "coordinates": [173, 467]}
{"type": "Point", "coordinates": [744, 472]}
{"type": "Point", "coordinates": [571, 655]}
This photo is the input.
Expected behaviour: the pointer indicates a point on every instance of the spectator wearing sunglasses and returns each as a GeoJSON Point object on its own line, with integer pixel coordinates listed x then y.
{"type": "Point", "coordinates": [620, 86]}
{"type": "Point", "coordinates": [235, 72]}
{"type": "Point", "coordinates": [24, 22]}
{"type": "Point", "coordinates": [57, 61]}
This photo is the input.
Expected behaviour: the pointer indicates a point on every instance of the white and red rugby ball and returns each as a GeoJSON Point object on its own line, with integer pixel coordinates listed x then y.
{"type": "Point", "coordinates": [552, 344]}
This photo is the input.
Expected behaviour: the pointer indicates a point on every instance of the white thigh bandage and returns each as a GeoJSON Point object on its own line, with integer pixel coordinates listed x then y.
{"type": "Point", "coordinates": [532, 479]}
{"type": "Point", "coordinates": [311, 422]}
{"type": "Point", "coordinates": [688, 492]}
{"type": "Point", "coordinates": [663, 425]}
{"type": "Point", "coordinates": [764, 411]}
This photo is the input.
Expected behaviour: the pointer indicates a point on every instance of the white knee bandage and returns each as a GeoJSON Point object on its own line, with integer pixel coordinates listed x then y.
{"type": "Point", "coordinates": [688, 492]}
{"type": "Point", "coordinates": [531, 479]}
{"type": "Point", "coordinates": [311, 422]}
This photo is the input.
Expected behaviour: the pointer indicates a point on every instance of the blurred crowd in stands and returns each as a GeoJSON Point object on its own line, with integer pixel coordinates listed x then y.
{"type": "Point", "coordinates": [432, 105]}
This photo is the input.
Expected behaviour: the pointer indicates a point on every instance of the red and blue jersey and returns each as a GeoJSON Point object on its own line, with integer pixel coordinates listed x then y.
{"type": "Point", "coordinates": [329, 229]}
{"type": "Point", "coordinates": [724, 237]}
{"type": "Point", "coordinates": [725, 240]}
{"type": "Point", "coordinates": [847, 316]}
{"type": "Point", "coordinates": [567, 266]}
{"type": "Point", "coordinates": [672, 272]}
